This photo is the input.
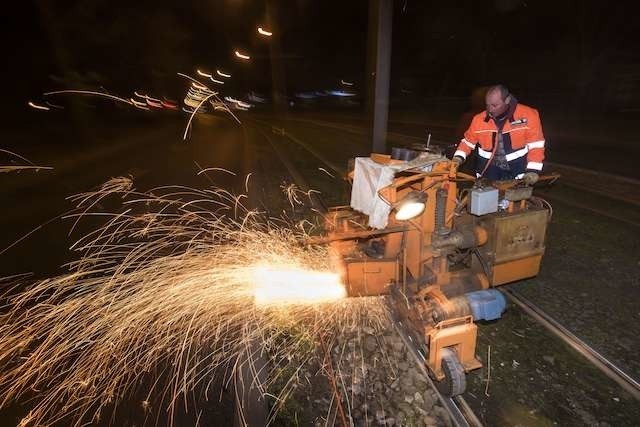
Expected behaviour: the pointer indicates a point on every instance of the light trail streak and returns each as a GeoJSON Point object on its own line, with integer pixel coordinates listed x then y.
{"type": "Point", "coordinates": [199, 86]}
{"type": "Point", "coordinates": [37, 106]}
{"type": "Point", "coordinates": [188, 126]}
{"type": "Point", "coordinates": [154, 104]}
{"type": "Point", "coordinates": [221, 74]}
{"type": "Point", "coordinates": [59, 107]}
{"type": "Point", "coordinates": [215, 95]}
{"type": "Point", "coordinates": [88, 92]}
{"type": "Point", "coordinates": [172, 291]}
{"type": "Point", "coordinates": [264, 32]}
{"type": "Point", "coordinates": [242, 55]}
{"type": "Point", "coordinates": [220, 82]}
{"type": "Point", "coordinates": [169, 105]}
{"type": "Point", "coordinates": [138, 104]}
{"type": "Point", "coordinates": [203, 74]}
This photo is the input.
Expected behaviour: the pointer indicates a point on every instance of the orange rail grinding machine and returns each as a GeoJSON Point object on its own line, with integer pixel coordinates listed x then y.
{"type": "Point", "coordinates": [437, 250]}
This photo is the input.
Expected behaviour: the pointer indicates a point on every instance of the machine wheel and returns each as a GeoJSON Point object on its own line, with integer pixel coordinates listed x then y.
{"type": "Point", "coordinates": [455, 379]}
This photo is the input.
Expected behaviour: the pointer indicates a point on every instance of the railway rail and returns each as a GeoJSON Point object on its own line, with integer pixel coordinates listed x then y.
{"type": "Point", "coordinates": [597, 359]}
{"type": "Point", "coordinates": [460, 411]}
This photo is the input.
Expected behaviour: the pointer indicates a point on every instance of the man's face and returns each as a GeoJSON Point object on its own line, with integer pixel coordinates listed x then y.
{"type": "Point", "coordinates": [495, 104]}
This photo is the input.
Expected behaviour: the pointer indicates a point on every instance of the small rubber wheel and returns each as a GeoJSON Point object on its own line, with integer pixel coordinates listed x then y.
{"type": "Point", "coordinates": [455, 379]}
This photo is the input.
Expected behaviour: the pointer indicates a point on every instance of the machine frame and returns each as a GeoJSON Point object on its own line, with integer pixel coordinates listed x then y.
{"type": "Point", "coordinates": [430, 264]}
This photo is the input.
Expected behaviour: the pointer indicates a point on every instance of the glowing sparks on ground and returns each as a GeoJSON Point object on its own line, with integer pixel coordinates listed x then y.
{"type": "Point", "coordinates": [174, 289]}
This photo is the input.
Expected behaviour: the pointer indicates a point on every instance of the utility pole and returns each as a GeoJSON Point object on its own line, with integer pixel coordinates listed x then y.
{"type": "Point", "coordinates": [278, 85]}
{"type": "Point", "coordinates": [379, 71]}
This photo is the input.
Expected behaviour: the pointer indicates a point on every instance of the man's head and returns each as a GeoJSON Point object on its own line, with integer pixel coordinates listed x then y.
{"type": "Point", "coordinates": [497, 100]}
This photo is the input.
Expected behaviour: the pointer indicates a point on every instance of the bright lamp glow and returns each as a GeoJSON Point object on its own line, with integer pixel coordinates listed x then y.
{"type": "Point", "coordinates": [411, 206]}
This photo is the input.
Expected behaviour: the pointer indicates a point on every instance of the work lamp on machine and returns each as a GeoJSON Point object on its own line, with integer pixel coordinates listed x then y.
{"type": "Point", "coordinates": [410, 206]}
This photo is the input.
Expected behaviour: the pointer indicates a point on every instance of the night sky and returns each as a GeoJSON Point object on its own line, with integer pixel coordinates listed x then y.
{"type": "Point", "coordinates": [581, 53]}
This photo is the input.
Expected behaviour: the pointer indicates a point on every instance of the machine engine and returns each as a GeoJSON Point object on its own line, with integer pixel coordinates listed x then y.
{"type": "Point", "coordinates": [437, 242]}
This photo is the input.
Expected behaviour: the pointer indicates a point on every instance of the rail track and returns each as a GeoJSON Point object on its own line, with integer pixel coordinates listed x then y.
{"type": "Point", "coordinates": [459, 410]}
{"type": "Point", "coordinates": [461, 413]}
{"type": "Point", "coordinates": [593, 356]}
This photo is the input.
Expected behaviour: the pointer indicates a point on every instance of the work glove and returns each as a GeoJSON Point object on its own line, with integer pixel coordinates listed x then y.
{"type": "Point", "coordinates": [457, 160]}
{"type": "Point", "coordinates": [530, 178]}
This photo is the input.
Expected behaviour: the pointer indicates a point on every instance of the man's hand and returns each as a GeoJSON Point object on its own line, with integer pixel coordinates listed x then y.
{"type": "Point", "coordinates": [457, 160]}
{"type": "Point", "coordinates": [530, 178]}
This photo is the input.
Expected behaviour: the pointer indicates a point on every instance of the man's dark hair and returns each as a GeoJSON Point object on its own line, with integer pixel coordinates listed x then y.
{"type": "Point", "coordinates": [504, 91]}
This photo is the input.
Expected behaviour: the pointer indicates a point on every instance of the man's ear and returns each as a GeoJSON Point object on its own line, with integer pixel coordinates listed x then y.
{"type": "Point", "coordinates": [507, 100]}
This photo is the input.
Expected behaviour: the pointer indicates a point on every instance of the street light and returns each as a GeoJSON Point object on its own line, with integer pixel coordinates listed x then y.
{"type": "Point", "coordinates": [264, 32]}
{"type": "Point", "coordinates": [242, 56]}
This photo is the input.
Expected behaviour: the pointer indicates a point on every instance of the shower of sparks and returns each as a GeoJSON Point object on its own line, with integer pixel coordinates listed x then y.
{"type": "Point", "coordinates": [15, 168]}
{"type": "Point", "coordinates": [326, 171]}
{"type": "Point", "coordinates": [294, 194]}
{"type": "Point", "coordinates": [176, 288]}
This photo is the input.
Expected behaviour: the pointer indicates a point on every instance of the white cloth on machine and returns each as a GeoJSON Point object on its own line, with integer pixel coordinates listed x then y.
{"type": "Point", "coordinates": [368, 178]}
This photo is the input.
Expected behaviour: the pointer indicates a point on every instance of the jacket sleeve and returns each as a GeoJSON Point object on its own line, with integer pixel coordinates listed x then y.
{"type": "Point", "coordinates": [535, 143]}
{"type": "Point", "coordinates": [468, 142]}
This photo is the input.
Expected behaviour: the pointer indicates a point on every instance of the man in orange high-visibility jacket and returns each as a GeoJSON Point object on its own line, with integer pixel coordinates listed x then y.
{"type": "Point", "coordinates": [508, 137]}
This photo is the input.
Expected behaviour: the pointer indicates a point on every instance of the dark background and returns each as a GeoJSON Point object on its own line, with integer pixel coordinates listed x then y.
{"type": "Point", "coordinates": [577, 56]}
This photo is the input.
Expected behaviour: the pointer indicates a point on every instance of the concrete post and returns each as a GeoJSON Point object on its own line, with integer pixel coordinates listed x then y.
{"type": "Point", "coordinates": [379, 70]}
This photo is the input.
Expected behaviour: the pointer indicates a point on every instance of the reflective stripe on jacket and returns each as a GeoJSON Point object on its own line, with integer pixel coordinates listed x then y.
{"type": "Point", "coordinates": [522, 136]}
